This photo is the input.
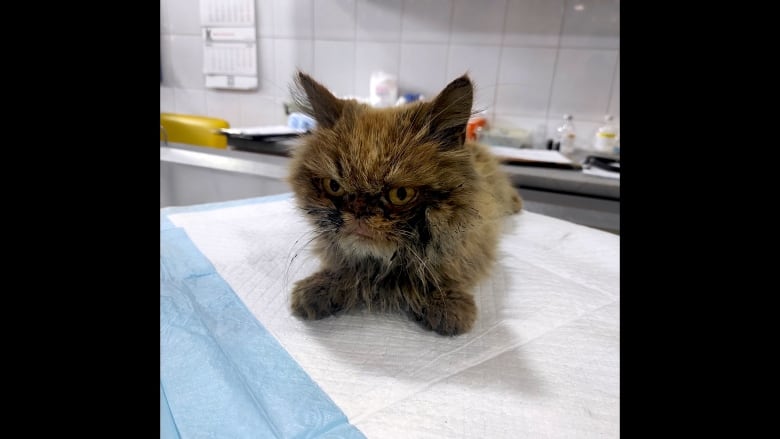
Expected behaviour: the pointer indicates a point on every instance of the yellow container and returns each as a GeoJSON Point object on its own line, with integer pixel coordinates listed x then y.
{"type": "Point", "coordinates": [194, 130]}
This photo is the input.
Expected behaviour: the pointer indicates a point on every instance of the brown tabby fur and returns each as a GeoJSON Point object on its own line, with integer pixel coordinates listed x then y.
{"type": "Point", "coordinates": [424, 257]}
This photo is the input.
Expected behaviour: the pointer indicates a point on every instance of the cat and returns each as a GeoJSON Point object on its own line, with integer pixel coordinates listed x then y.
{"type": "Point", "coordinates": [407, 214]}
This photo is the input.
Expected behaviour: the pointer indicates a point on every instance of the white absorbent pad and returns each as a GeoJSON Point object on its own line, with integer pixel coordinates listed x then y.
{"type": "Point", "coordinates": [542, 360]}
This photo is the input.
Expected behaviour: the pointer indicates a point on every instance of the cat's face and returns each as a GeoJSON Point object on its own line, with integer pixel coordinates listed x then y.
{"type": "Point", "coordinates": [374, 181]}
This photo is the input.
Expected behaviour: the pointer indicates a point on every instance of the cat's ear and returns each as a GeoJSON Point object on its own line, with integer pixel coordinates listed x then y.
{"type": "Point", "coordinates": [450, 112]}
{"type": "Point", "coordinates": [314, 99]}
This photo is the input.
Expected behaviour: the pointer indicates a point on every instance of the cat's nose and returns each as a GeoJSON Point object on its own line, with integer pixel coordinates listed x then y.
{"type": "Point", "coordinates": [361, 206]}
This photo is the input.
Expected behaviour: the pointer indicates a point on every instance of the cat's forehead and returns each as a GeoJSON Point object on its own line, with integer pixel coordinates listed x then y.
{"type": "Point", "coordinates": [379, 147]}
{"type": "Point", "coordinates": [397, 123]}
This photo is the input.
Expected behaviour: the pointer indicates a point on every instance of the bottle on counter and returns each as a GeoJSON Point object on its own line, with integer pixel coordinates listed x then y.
{"type": "Point", "coordinates": [383, 90]}
{"type": "Point", "coordinates": [606, 136]}
{"type": "Point", "coordinates": [566, 135]}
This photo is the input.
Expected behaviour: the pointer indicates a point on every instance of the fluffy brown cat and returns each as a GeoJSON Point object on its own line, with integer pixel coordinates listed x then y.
{"type": "Point", "coordinates": [407, 213]}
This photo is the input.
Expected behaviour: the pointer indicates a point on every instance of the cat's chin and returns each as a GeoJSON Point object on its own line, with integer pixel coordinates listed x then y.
{"type": "Point", "coordinates": [360, 246]}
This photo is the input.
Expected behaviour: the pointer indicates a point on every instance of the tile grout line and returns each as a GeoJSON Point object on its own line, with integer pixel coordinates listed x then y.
{"type": "Point", "coordinates": [492, 119]}
{"type": "Point", "coordinates": [401, 44]}
{"type": "Point", "coordinates": [449, 42]}
{"type": "Point", "coordinates": [354, 49]}
{"type": "Point", "coordinates": [555, 69]}
{"type": "Point", "coordinates": [612, 83]}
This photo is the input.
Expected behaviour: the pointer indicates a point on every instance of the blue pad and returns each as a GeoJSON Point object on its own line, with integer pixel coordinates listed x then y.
{"type": "Point", "coordinates": [222, 374]}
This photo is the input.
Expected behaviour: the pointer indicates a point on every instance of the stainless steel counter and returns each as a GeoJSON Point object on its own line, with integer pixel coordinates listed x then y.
{"type": "Point", "coordinates": [195, 175]}
{"type": "Point", "coordinates": [564, 181]}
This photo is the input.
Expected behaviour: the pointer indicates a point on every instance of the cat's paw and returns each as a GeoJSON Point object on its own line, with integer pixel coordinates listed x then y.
{"type": "Point", "coordinates": [313, 298]}
{"type": "Point", "coordinates": [451, 314]}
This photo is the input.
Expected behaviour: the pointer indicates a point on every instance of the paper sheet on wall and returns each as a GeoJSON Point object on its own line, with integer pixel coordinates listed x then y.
{"type": "Point", "coordinates": [227, 12]}
{"type": "Point", "coordinates": [229, 43]}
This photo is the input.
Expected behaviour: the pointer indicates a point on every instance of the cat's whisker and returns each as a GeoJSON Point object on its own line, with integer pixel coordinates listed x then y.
{"type": "Point", "coordinates": [314, 235]}
{"type": "Point", "coordinates": [292, 248]}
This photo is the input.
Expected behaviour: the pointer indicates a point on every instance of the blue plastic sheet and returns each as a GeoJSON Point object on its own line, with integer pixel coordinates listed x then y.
{"type": "Point", "coordinates": [222, 374]}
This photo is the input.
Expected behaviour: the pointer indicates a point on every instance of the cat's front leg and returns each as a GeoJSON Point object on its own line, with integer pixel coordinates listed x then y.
{"type": "Point", "coordinates": [448, 313]}
{"type": "Point", "coordinates": [318, 296]}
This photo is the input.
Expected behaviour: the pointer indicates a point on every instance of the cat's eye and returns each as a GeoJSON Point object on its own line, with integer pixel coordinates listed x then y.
{"type": "Point", "coordinates": [401, 195]}
{"type": "Point", "coordinates": [332, 187]}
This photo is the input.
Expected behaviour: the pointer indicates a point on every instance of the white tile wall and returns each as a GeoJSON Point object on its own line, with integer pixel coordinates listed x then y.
{"type": "Point", "coordinates": [167, 102]}
{"type": "Point", "coordinates": [531, 60]}
{"type": "Point", "coordinates": [185, 57]}
{"type": "Point", "coordinates": [166, 60]}
{"type": "Point", "coordinates": [527, 66]}
{"type": "Point", "coordinates": [583, 80]}
{"type": "Point", "coordinates": [334, 20]}
{"type": "Point", "coordinates": [289, 56]}
{"type": "Point", "coordinates": [334, 66]}
{"type": "Point", "coordinates": [379, 20]}
{"type": "Point", "coordinates": [266, 72]}
{"type": "Point", "coordinates": [293, 18]}
{"type": "Point", "coordinates": [224, 104]}
{"type": "Point", "coordinates": [614, 102]}
{"type": "Point", "coordinates": [591, 24]}
{"type": "Point", "coordinates": [184, 17]}
{"type": "Point", "coordinates": [423, 68]}
{"type": "Point", "coordinates": [524, 81]}
{"type": "Point", "coordinates": [165, 28]}
{"type": "Point", "coordinates": [478, 22]}
{"type": "Point", "coordinates": [522, 100]}
{"type": "Point", "coordinates": [426, 21]}
{"type": "Point", "coordinates": [190, 101]}
{"type": "Point", "coordinates": [264, 17]}
{"type": "Point", "coordinates": [261, 110]}
{"type": "Point", "coordinates": [533, 23]}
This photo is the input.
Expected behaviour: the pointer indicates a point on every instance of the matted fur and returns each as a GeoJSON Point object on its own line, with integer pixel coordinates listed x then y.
{"type": "Point", "coordinates": [422, 258]}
